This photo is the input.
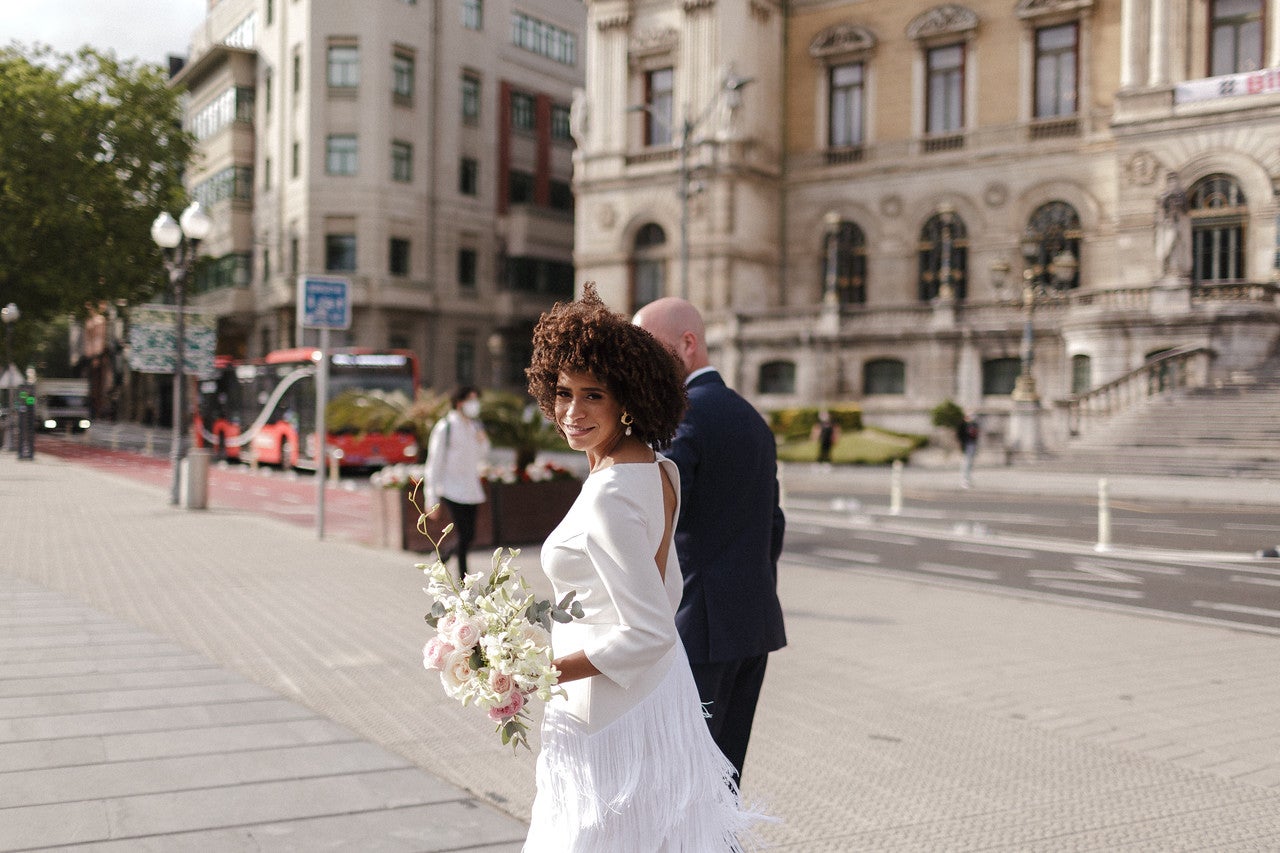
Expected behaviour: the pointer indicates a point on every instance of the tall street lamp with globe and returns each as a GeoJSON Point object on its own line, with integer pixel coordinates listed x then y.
{"type": "Point", "coordinates": [180, 240]}
{"type": "Point", "coordinates": [10, 315]}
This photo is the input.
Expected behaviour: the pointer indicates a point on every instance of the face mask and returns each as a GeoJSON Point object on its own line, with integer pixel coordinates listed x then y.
{"type": "Point", "coordinates": [471, 408]}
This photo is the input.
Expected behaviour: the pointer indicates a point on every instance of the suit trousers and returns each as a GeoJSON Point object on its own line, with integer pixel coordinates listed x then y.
{"type": "Point", "coordinates": [730, 691]}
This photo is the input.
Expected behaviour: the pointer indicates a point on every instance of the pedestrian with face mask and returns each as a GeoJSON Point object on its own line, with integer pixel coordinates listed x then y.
{"type": "Point", "coordinates": [456, 452]}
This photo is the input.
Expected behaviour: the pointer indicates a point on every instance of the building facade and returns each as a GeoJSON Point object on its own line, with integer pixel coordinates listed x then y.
{"type": "Point", "coordinates": [421, 150]}
{"type": "Point", "coordinates": [1005, 203]}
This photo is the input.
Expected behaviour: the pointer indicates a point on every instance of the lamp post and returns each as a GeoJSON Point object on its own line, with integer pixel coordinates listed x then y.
{"type": "Point", "coordinates": [10, 315]}
{"type": "Point", "coordinates": [731, 90]}
{"type": "Point", "coordinates": [180, 240]}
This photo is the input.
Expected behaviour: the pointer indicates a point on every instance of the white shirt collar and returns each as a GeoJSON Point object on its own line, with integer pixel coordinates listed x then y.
{"type": "Point", "coordinates": [699, 372]}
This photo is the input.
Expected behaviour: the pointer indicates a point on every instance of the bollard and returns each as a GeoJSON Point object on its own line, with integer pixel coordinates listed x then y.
{"type": "Point", "coordinates": [335, 460]}
{"type": "Point", "coordinates": [895, 488]}
{"type": "Point", "coordinates": [251, 457]}
{"type": "Point", "coordinates": [1104, 517]}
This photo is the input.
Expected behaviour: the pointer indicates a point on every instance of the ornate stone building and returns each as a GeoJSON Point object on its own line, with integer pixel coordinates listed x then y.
{"type": "Point", "coordinates": [1006, 203]}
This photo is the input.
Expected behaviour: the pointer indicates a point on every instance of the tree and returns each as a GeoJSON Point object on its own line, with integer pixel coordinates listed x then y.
{"type": "Point", "coordinates": [91, 149]}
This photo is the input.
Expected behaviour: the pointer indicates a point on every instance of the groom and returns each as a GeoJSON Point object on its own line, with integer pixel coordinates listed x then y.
{"type": "Point", "coordinates": [729, 535]}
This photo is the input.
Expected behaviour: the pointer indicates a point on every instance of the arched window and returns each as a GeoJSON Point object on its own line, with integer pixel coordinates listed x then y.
{"type": "Point", "coordinates": [1081, 374]}
{"type": "Point", "coordinates": [777, 377]}
{"type": "Point", "coordinates": [648, 266]}
{"type": "Point", "coordinates": [884, 376]}
{"type": "Point", "coordinates": [999, 375]}
{"type": "Point", "coordinates": [1051, 246]}
{"type": "Point", "coordinates": [944, 245]}
{"type": "Point", "coordinates": [1218, 212]}
{"type": "Point", "coordinates": [844, 265]}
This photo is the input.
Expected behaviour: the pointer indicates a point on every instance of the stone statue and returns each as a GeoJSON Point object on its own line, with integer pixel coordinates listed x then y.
{"type": "Point", "coordinates": [1173, 230]}
{"type": "Point", "coordinates": [579, 117]}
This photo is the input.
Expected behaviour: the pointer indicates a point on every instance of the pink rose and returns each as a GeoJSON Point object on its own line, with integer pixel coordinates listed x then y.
{"type": "Point", "coordinates": [499, 682]}
{"type": "Point", "coordinates": [464, 633]}
{"type": "Point", "coordinates": [435, 652]}
{"type": "Point", "coordinates": [509, 708]}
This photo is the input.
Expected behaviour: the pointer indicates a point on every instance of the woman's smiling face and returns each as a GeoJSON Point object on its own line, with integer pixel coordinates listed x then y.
{"type": "Point", "coordinates": [588, 413]}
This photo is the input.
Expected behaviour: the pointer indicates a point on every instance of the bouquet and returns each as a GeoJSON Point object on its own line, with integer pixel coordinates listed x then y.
{"type": "Point", "coordinates": [492, 643]}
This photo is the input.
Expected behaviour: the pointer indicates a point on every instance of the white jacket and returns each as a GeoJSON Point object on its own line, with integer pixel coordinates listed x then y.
{"type": "Point", "coordinates": [456, 452]}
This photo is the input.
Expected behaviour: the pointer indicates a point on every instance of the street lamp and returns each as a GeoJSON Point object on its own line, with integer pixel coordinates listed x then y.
{"type": "Point", "coordinates": [10, 315]}
{"type": "Point", "coordinates": [731, 92]}
{"type": "Point", "coordinates": [180, 240]}
{"type": "Point", "coordinates": [1050, 269]}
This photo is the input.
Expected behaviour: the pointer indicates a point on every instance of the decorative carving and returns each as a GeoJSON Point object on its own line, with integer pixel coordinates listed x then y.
{"type": "Point", "coordinates": [606, 216]}
{"type": "Point", "coordinates": [655, 41]}
{"type": "Point", "coordinates": [995, 194]}
{"type": "Point", "coordinates": [691, 6]}
{"type": "Point", "coordinates": [580, 117]}
{"type": "Point", "coordinates": [841, 39]}
{"type": "Point", "coordinates": [891, 206]}
{"type": "Point", "coordinates": [1141, 169]}
{"type": "Point", "coordinates": [947, 19]}
{"type": "Point", "coordinates": [1036, 8]}
{"type": "Point", "coordinates": [760, 11]}
{"type": "Point", "coordinates": [620, 20]}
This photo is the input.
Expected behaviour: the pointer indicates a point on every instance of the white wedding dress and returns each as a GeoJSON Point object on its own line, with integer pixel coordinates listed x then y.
{"type": "Point", "coordinates": [627, 763]}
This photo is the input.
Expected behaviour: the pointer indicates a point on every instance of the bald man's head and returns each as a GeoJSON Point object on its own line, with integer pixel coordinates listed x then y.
{"type": "Point", "coordinates": [676, 323]}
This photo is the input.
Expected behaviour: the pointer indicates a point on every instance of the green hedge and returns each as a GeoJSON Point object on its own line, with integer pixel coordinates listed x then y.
{"type": "Point", "coordinates": [797, 424]}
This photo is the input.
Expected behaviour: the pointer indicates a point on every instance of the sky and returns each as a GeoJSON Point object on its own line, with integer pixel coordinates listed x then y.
{"type": "Point", "coordinates": [149, 30]}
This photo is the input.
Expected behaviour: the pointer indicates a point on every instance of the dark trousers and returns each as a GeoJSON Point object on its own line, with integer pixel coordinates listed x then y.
{"type": "Point", "coordinates": [464, 531]}
{"type": "Point", "coordinates": [730, 691]}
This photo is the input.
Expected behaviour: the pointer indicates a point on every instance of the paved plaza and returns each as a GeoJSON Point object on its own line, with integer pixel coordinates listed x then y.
{"type": "Point", "coordinates": [222, 680]}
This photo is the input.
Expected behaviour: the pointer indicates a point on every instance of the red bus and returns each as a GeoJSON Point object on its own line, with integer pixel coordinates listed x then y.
{"type": "Point", "coordinates": [267, 407]}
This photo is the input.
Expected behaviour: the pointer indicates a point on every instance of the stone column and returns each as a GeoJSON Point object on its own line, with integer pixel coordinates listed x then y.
{"type": "Point", "coordinates": [1158, 68]}
{"type": "Point", "coordinates": [1133, 43]}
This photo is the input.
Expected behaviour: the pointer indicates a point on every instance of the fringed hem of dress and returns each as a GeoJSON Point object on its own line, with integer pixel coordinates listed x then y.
{"type": "Point", "coordinates": [652, 780]}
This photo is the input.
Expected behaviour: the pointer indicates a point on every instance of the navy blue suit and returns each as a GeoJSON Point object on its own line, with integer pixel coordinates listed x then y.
{"type": "Point", "coordinates": [729, 538]}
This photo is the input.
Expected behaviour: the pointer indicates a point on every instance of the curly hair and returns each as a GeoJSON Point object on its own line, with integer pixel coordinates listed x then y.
{"type": "Point", "coordinates": [584, 336]}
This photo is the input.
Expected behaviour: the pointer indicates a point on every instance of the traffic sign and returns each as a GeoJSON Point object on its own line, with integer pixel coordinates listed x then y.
{"type": "Point", "coordinates": [325, 302]}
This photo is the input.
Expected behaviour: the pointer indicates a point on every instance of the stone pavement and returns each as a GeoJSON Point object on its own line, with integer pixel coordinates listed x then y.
{"type": "Point", "coordinates": [221, 680]}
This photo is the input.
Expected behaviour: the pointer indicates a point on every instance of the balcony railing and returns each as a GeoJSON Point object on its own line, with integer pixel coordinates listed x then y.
{"type": "Point", "coordinates": [1186, 367]}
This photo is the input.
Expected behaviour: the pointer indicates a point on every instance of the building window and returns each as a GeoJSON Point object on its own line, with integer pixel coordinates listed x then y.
{"type": "Point", "coordinates": [1218, 212]}
{"type": "Point", "coordinates": [884, 376]}
{"type": "Point", "coordinates": [398, 256]}
{"type": "Point", "coordinates": [999, 375]}
{"type": "Point", "coordinates": [658, 87]}
{"type": "Point", "coordinates": [344, 66]}
{"type": "Point", "coordinates": [539, 275]}
{"type": "Point", "coordinates": [561, 197]}
{"type": "Point", "coordinates": [470, 99]}
{"type": "Point", "coordinates": [560, 123]}
{"type": "Point", "coordinates": [467, 269]}
{"type": "Point", "coordinates": [776, 377]}
{"type": "Point", "coordinates": [293, 256]}
{"type": "Point", "coordinates": [340, 155]}
{"type": "Point", "coordinates": [402, 78]}
{"type": "Point", "coordinates": [271, 12]}
{"type": "Point", "coordinates": [648, 270]}
{"type": "Point", "coordinates": [266, 264]}
{"type": "Point", "coordinates": [523, 116]}
{"type": "Point", "coordinates": [1081, 374]}
{"type": "Point", "coordinates": [267, 79]}
{"type": "Point", "coordinates": [340, 252]}
{"type": "Point", "coordinates": [544, 39]}
{"type": "Point", "coordinates": [845, 264]}
{"type": "Point", "coordinates": [464, 361]}
{"type": "Point", "coordinates": [1235, 40]}
{"type": "Point", "coordinates": [944, 242]}
{"type": "Point", "coordinates": [469, 176]}
{"type": "Point", "coordinates": [266, 173]}
{"type": "Point", "coordinates": [297, 71]}
{"type": "Point", "coordinates": [401, 162]}
{"type": "Point", "coordinates": [295, 160]}
{"type": "Point", "coordinates": [945, 89]}
{"type": "Point", "coordinates": [846, 106]}
{"type": "Point", "coordinates": [519, 187]}
{"type": "Point", "coordinates": [233, 182]}
{"type": "Point", "coordinates": [1052, 234]}
{"type": "Point", "coordinates": [232, 105]}
{"type": "Point", "coordinates": [1057, 49]}
{"type": "Point", "coordinates": [473, 14]}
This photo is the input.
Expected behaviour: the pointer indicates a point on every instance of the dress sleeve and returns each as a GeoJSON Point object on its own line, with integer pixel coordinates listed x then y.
{"type": "Point", "coordinates": [621, 545]}
{"type": "Point", "coordinates": [435, 465]}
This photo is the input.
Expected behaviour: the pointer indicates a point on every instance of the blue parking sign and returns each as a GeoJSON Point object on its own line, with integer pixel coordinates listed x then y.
{"type": "Point", "coordinates": [325, 302]}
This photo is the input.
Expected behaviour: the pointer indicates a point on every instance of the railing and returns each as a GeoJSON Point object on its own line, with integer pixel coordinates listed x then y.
{"type": "Point", "coordinates": [1185, 367]}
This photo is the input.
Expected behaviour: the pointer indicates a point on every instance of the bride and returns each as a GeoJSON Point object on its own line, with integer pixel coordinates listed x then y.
{"type": "Point", "coordinates": [627, 762]}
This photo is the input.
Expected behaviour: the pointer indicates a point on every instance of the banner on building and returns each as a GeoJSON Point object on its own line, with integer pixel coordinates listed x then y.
{"type": "Point", "coordinates": [1263, 82]}
{"type": "Point", "coordinates": [152, 340]}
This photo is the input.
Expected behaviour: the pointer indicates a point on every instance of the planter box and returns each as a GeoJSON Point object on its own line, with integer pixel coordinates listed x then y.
{"type": "Point", "coordinates": [513, 514]}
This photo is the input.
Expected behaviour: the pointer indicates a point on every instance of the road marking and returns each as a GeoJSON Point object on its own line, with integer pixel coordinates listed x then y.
{"type": "Point", "coordinates": [1237, 608]}
{"type": "Point", "coordinates": [892, 538]}
{"type": "Point", "coordinates": [1184, 531]}
{"type": "Point", "coordinates": [1149, 568]}
{"type": "Point", "coordinates": [959, 571]}
{"type": "Point", "coordinates": [994, 550]}
{"type": "Point", "coordinates": [850, 556]}
{"type": "Point", "coordinates": [1259, 581]}
{"type": "Point", "coordinates": [1087, 570]}
{"type": "Point", "coordinates": [1072, 586]}
{"type": "Point", "coordinates": [1243, 526]}
{"type": "Point", "coordinates": [807, 529]}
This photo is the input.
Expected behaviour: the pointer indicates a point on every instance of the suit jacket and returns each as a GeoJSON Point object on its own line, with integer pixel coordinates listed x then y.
{"type": "Point", "coordinates": [730, 531]}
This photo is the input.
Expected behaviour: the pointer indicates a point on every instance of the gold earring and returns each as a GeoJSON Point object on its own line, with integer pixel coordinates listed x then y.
{"type": "Point", "coordinates": [627, 421]}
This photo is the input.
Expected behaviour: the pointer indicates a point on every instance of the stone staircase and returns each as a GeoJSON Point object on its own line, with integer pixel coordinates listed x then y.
{"type": "Point", "coordinates": [1231, 430]}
